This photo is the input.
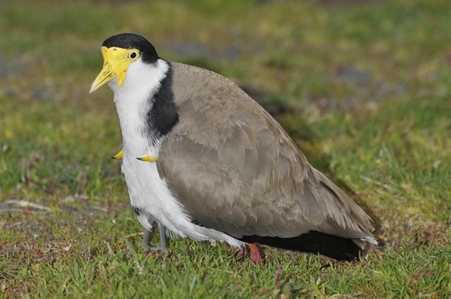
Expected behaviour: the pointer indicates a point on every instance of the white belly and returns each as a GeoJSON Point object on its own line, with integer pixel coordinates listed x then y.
{"type": "Point", "coordinates": [150, 194]}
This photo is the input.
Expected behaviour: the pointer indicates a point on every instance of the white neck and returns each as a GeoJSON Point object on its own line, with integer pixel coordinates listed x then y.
{"type": "Point", "coordinates": [132, 101]}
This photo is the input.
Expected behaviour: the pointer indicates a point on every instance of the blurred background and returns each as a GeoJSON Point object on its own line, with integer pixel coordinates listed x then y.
{"type": "Point", "coordinates": [362, 86]}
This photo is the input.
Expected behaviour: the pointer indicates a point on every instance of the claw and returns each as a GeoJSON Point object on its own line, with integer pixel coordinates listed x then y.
{"type": "Point", "coordinates": [148, 159]}
{"type": "Point", "coordinates": [118, 156]}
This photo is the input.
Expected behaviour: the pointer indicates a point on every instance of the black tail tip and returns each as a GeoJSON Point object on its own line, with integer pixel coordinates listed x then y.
{"type": "Point", "coordinates": [338, 248]}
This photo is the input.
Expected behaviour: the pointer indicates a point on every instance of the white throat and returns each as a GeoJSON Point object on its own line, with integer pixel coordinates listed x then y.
{"type": "Point", "coordinates": [133, 100]}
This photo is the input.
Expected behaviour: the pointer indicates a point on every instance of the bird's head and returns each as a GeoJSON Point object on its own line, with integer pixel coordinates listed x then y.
{"type": "Point", "coordinates": [119, 51]}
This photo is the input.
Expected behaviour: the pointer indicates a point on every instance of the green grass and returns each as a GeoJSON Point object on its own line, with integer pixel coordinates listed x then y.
{"type": "Point", "coordinates": [363, 88]}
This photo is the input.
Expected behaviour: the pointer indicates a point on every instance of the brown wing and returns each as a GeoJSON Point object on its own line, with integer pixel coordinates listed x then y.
{"type": "Point", "coordinates": [236, 170]}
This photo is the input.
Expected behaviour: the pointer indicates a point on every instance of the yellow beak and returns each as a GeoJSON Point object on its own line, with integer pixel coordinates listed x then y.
{"type": "Point", "coordinates": [115, 63]}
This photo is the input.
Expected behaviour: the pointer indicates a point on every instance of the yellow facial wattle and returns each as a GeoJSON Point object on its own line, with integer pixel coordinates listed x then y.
{"type": "Point", "coordinates": [115, 63]}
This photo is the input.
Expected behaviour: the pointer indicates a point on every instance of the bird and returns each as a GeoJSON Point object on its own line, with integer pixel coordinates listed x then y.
{"type": "Point", "coordinates": [204, 159]}
{"type": "Point", "coordinates": [161, 229]}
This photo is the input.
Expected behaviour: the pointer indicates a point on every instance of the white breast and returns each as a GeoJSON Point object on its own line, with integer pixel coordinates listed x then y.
{"type": "Point", "coordinates": [148, 192]}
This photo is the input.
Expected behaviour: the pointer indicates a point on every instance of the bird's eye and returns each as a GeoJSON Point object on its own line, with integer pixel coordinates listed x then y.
{"type": "Point", "coordinates": [133, 55]}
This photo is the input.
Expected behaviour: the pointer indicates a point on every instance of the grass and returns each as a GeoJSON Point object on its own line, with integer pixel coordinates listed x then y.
{"type": "Point", "coordinates": [363, 87]}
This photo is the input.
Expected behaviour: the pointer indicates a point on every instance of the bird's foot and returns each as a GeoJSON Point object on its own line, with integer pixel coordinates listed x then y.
{"type": "Point", "coordinates": [155, 251]}
{"type": "Point", "coordinates": [256, 257]}
{"type": "Point", "coordinates": [242, 252]}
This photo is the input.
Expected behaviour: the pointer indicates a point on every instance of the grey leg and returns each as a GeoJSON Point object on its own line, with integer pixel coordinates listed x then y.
{"type": "Point", "coordinates": [162, 230]}
{"type": "Point", "coordinates": [146, 237]}
{"type": "Point", "coordinates": [151, 220]}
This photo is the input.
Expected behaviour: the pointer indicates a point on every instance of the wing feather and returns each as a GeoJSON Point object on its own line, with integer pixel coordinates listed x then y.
{"type": "Point", "coordinates": [235, 169]}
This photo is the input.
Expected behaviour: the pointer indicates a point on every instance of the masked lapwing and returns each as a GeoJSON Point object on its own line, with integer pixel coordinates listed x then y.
{"type": "Point", "coordinates": [209, 163]}
{"type": "Point", "coordinates": [161, 229]}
